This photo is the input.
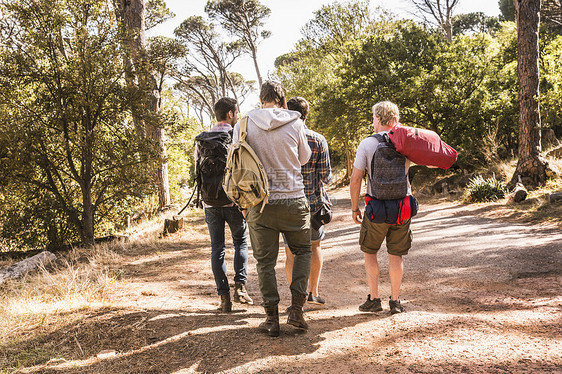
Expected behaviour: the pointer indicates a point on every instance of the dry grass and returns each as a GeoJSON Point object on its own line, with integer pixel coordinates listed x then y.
{"type": "Point", "coordinates": [150, 230]}
{"type": "Point", "coordinates": [52, 297]}
{"type": "Point", "coordinates": [505, 169]}
{"type": "Point", "coordinates": [81, 283]}
{"type": "Point", "coordinates": [78, 283]}
{"type": "Point", "coordinates": [536, 208]}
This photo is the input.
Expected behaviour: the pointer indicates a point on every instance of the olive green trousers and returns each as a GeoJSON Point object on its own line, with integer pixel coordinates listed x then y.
{"type": "Point", "coordinates": [291, 217]}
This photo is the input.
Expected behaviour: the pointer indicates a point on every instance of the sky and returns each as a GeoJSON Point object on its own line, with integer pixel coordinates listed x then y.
{"type": "Point", "coordinates": [285, 22]}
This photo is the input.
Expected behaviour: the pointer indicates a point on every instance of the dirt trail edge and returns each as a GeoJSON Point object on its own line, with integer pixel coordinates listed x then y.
{"type": "Point", "coordinates": [482, 296]}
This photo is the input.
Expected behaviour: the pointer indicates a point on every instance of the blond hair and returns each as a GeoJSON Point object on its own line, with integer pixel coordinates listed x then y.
{"type": "Point", "coordinates": [386, 112]}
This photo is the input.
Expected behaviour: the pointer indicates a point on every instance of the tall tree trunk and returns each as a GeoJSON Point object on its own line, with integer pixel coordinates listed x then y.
{"type": "Point", "coordinates": [349, 157]}
{"type": "Point", "coordinates": [531, 167]}
{"type": "Point", "coordinates": [133, 39]}
{"type": "Point", "coordinates": [86, 171]}
{"type": "Point", "coordinates": [161, 173]}
{"type": "Point", "coordinates": [133, 13]}
{"type": "Point", "coordinates": [448, 30]}
{"type": "Point", "coordinates": [255, 58]}
{"type": "Point", "coordinates": [516, 11]}
{"type": "Point", "coordinates": [87, 232]}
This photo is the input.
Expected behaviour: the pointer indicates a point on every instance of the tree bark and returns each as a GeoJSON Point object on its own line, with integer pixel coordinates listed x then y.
{"type": "Point", "coordinates": [88, 208]}
{"type": "Point", "coordinates": [448, 30]}
{"type": "Point", "coordinates": [531, 167]}
{"type": "Point", "coordinates": [349, 157]}
{"type": "Point", "coordinates": [516, 11]}
{"type": "Point", "coordinates": [133, 13]}
{"type": "Point", "coordinates": [87, 232]}
{"type": "Point", "coordinates": [255, 58]}
{"type": "Point", "coordinates": [173, 225]}
{"type": "Point", "coordinates": [161, 172]}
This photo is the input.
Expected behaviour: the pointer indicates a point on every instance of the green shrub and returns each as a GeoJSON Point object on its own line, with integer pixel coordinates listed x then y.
{"type": "Point", "coordinates": [480, 189]}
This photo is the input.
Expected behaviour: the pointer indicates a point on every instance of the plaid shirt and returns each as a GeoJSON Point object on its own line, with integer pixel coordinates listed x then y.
{"type": "Point", "coordinates": [316, 172]}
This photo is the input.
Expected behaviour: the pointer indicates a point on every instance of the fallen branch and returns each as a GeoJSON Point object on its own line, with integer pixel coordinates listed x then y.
{"type": "Point", "coordinates": [21, 268]}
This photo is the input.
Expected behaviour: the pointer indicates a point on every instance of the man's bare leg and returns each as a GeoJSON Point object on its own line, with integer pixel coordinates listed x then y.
{"type": "Point", "coordinates": [372, 269]}
{"type": "Point", "coordinates": [395, 271]}
{"type": "Point", "coordinates": [316, 263]}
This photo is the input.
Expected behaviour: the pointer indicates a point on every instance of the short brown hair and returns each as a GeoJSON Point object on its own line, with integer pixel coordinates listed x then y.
{"type": "Point", "coordinates": [387, 112]}
{"type": "Point", "coordinates": [300, 105]}
{"type": "Point", "coordinates": [223, 106]}
{"type": "Point", "coordinates": [272, 92]}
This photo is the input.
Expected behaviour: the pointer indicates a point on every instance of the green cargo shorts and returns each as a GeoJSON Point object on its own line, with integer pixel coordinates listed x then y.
{"type": "Point", "coordinates": [398, 237]}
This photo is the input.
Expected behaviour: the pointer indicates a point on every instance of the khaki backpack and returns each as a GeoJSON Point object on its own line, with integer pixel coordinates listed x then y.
{"type": "Point", "coordinates": [245, 180]}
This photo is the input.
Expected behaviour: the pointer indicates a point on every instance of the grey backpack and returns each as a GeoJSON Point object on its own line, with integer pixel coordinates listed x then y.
{"type": "Point", "coordinates": [388, 171]}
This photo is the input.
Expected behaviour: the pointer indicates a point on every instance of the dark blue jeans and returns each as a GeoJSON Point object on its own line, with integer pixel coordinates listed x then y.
{"type": "Point", "coordinates": [216, 218]}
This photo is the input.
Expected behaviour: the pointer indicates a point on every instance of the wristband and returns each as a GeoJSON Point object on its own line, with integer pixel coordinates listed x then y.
{"type": "Point", "coordinates": [355, 210]}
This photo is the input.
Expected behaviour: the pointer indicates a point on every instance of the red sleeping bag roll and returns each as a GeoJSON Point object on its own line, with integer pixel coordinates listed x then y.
{"type": "Point", "coordinates": [423, 147]}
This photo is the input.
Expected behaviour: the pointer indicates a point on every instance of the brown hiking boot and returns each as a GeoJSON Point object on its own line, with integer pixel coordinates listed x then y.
{"type": "Point", "coordinates": [226, 304]}
{"type": "Point", "coordinates": [241, 294]}
{"type": "Point", "coordinates": [271, 323]}
{"type": "Point", "coordinates": [296, 317]}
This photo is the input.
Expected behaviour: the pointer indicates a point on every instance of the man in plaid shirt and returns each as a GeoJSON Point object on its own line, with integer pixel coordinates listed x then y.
{"type": "Point", "coordinates": [316, 173]}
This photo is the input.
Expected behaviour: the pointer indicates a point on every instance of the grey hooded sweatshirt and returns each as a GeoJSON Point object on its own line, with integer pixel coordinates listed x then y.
{"type": "Point", "coordinates": [278, 137]}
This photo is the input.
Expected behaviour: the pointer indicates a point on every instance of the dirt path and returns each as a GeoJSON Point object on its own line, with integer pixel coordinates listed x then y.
{"type": "Point", "coordinates": [482, 296]}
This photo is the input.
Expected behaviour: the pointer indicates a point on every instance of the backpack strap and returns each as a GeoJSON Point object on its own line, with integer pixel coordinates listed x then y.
{"type": "Point", "coordinates": [382, 138]}
{"type": "Point", "coordinates": [198, 201]}
{"type": "Point", "coordinates": [197, 178]}
{"type": "Point", "coordinates": [243, 129]}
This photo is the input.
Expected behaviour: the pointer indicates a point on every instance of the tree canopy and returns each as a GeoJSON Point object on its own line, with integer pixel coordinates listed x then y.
{"type": "Point", "coordinates": [464, 89]}
{"type": "Point", "coordinates": [66, 143]}
{"type": "Point", "coordinates": [88, 104]}
{"type": "Point", "coordinates": [244, 19]}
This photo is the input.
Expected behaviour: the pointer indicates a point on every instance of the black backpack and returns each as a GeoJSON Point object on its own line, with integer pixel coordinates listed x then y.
{"type": "Point", "coordinates": [212, 149]}
{"type": "Point", "coordinates": [388, 171]}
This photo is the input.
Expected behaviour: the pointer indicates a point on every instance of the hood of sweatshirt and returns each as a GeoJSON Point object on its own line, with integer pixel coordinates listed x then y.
{"type": "Point", "coordinates": [272, 118]}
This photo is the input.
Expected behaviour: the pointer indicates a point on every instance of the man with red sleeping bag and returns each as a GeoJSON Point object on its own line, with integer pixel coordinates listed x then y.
{"type": "Point", "coordinates": [422, 147]}
{"type": "Point", "coordinates": [389, 205]}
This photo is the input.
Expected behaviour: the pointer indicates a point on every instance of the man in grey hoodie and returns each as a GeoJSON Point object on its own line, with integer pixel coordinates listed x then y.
{"type": "Point", "coordinates": [278, 137]}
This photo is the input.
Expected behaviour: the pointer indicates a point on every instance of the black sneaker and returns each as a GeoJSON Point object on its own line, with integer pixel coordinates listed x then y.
{"type": "Point", "coordinates": [396, 307]}
{"type": "Point", "coordinates": [373, 305]}
{"type": "Point", "coordinates": [315, 299]}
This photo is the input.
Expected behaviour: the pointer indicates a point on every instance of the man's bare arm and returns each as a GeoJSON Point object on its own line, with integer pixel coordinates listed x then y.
{"type": "Point", "coordinates": [354, 192]}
